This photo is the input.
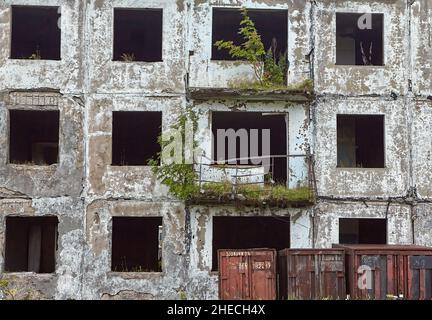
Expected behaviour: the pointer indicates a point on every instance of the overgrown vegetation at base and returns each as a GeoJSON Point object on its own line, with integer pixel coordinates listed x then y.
{"type": "Point", "coordinates": [9, 290]}
{"type": "Point", "coordinates": [6, 293]}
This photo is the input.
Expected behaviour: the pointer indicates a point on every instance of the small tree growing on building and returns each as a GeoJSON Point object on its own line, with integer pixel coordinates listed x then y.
{"type": "Point", "coordinates": [269, 70]}
{"type": "Point", "coordinates": [179, 176]}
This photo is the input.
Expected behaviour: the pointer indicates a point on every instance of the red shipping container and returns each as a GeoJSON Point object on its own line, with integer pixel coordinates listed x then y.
{"type": "Point", "coordinates": [247, 274]}
{"type": "Point", "coordinates": [310, 274]}
{"type": "Point", "coordinates": [385, 271]}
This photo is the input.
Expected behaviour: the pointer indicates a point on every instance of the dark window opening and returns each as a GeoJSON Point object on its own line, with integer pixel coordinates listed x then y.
{"type": "Point", "coordinates": [31, 244]}
{"type": "Point", "coordinates": [135, 137]}
{"type": "Point", "coordinates": [362, 231]}
{"type": "Point", "coordinates": [359, 39]}
{"type": "Point", "coordinates": [138, 35]}
{"type": "Point", "coordinates": [36, 33]}
{"type": "Point", "coordinates": [272, 25]}
{"type": "Point", "coordinates": [249, 233]}
{"type": "Point", "coordinates": [136, 244]}
{"type": "Point", "coordinates": [240, 121]}
{"type": "Point", "coordinates": [360, 141]}
{"type": "Point", "coordinates": [34, 137]}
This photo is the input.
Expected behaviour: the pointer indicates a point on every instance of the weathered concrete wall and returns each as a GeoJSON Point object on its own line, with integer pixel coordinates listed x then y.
{"type": "Point", "coordinates": [65, 74]}
{"type": "Point", "coordinates": [108, 76]}
{"type": "Point", "coordinates": [100, 283]}
{"type": "Point", "coordinates": [105, 180]}
{"type": "Point", "coordinates": [423, 224]}
{"type": "Point", "coordinates": [229, 73]}
{"type": "Point", "coordinates": [421, 30]}
{"type": "Point", "coordinates": [85, 191]}
{"type": "Point", "coordinates": [393, 180]}
{"type": "Point", "coordinates": [422, 146]}
{"type": "Point", "coordinates": [62, 179]}
{"type": "Point", "coordinates": [66, 282]}
{"type": "Point", "coordinates": [361, 80]}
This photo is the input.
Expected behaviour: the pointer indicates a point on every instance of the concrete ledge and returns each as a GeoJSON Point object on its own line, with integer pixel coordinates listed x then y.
{"type": "Point", "coordinates": [201, 93]}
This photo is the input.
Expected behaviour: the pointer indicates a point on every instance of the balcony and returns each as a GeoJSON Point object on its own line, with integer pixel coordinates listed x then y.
{"type": "Point", "coordinates": [253, 185]}
{"type": "Point", "coordinates": [296, 93]}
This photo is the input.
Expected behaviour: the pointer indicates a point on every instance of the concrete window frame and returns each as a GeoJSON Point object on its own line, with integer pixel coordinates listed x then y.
{"type": "Point", "coordinates": [162, 9]}
{"type": "Point", "coordinates": [136, 274]}
{"type": "Point", "coordinates": [29, 273]}
{"type": "Point", "coordinates": [33, 108]}
{"type": "Point", "coordinates": [59, 11]}
{"type": "Point", "coordinates": [384, 56]}
{"type": "Point", "coordinates": [384, 167]}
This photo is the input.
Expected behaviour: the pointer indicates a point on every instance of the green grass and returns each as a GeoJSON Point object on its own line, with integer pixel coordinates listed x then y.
{"type": "Point", "coordinates": [217, 188]}
{"type": "Point", "coordinates": [305, 86]}
{"type": "Point", "coordinates": [283, 193]}
{"type": "Point", "coordinates": [255, 193]}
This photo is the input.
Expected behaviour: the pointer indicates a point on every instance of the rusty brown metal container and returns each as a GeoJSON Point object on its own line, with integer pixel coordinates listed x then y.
{"type": "Point", "coordinates": [311, 274]}
{"type": "Point", "coordinates": [247, 274]}
{"type": "Point", "coordinates": [385, 271]}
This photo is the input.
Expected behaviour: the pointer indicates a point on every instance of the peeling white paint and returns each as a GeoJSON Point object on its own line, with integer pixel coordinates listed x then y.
{"type": "Point", "coordinates": [85, 191]}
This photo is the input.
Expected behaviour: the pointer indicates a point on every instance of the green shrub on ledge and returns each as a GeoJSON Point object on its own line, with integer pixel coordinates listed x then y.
{"type": "Point", "coordinates": [269, 70]}
{"type": "Point", "coordinates": [224, 192]}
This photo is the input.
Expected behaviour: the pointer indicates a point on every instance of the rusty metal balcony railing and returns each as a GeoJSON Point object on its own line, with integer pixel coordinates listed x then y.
{"type": "Point", "coordinates": [239, 177]}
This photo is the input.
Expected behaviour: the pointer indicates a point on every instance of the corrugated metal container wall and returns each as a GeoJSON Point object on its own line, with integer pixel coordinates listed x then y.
{"type": "Point", "coordinates": [247, 274]}
{"type": "Point", "coordinates": [310, 274]}
{"type": "Point", "coordinates": [394, 271]}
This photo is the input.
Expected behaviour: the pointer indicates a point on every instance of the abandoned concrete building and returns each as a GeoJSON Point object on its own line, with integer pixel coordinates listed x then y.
{"type": "Point", "coordinates": [83, 100]}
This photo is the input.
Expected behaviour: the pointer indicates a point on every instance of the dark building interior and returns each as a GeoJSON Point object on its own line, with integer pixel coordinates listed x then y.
{"type": "Point", "coordinates": [362, 231]}
{"type": "Point", "coordinates": [34, 137]}
{"type": "Point", "coordinates": [35, 33]}
{"type": "Point", "coordinates": [135, 137]}
{"type": "Point", "coordinates": [356, 46]}
{"type": "Point", "coordinates": [360, 141]}
{"type": "Point", "coordinates": [254, 120]}
{"type": "Point", "coordinates": [31, 244]}
{"type": "Point", "coordinates": [135, 244]}
{"type": "Point", "coordinates": [138, 33]}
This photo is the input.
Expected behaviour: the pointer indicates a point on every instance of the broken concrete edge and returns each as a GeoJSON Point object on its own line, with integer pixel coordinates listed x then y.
{"type": "Point", "coordinates": [48, 97]}
{"type": "Point", "coordinates": [37, 90]}
{"type": "Point", "coordinates": [6, 193]}
{"type": "Point", "coordinates": [239, 203]}
{"type": "Point", "coordinates": [201, 93]}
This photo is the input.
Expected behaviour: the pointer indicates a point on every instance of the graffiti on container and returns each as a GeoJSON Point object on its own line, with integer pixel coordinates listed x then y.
{"type": "Point", "coordinates": [421, 262]}
{"type": "Point", "coordinates": [365, 277]}
{"type": "Point", "coordinates": [372, 261]}
{"type": "Point", "coordinates": [331, 266]}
